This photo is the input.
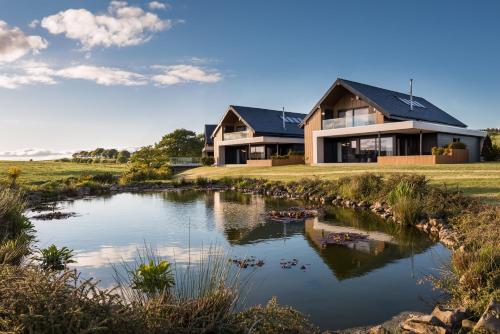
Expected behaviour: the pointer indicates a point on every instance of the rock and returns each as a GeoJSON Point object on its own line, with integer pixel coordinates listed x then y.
{"type": "Point", "coordinates": [451, 318]}
{"type": "Point", "coordinates": [426, 324]}
{"type": "Point", "coordinates": [490, 320]}
{"type": "Point", "coordinates": [468, 325]}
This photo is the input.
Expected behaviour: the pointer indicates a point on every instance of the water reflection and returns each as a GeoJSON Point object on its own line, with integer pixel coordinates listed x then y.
{"type": "Point", "coordinates": [340, 281]}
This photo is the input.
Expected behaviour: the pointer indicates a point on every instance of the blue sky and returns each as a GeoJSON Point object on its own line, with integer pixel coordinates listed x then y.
{"type": "Point", "coordinates": [64, 86]}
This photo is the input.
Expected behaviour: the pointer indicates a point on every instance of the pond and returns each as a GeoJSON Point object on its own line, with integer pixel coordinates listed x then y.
{"type": "Point", "coordinates": [340, 287]}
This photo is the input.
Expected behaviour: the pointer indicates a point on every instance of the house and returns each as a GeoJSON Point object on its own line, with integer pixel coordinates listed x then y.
{"type": "Point", "coordinates": [355, 122]}
{"type": "Point", "coordinates": [253, 136]}
{"type": "Point", "coordinates": [208, 147]}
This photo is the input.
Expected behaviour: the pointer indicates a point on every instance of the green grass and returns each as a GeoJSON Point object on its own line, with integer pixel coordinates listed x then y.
{"type": "Point", "coordinates": [37, 172]}
{"type": "Point", "coordinates": [476, 179]}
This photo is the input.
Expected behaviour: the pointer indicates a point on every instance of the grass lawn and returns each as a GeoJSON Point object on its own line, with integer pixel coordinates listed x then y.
{"type": "Point", "coordinates": [477, 179]}
{"type": "Point", "coordinates": [37, 172]}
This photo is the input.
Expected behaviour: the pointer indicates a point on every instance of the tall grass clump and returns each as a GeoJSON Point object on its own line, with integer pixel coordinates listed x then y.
{"type": "Point", "coordinates": [405, 203]}
{"type": "Point", "coordinates": [360, 187]}
{"type": "Point", "coordinates": [13, 173]}
{"type": "Point", "coordinates": [12, 219]}
{"type": "Point", "coordinates": [140, 173]}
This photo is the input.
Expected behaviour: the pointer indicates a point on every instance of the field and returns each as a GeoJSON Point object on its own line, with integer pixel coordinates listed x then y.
{"type": "Point", "coordinates": [36, 172]}
{"type": "Point", "coordinates": [478, 179]}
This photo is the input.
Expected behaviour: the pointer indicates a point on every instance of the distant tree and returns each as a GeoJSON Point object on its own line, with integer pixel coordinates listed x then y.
{"type": "Point", "coordinates": [489, 151]}
{"type": "Point", "coordinates": [123, 156]}
{"type": "Point", "coordinates": [110, 153]}
{"type": "Point", "coordinates": [148, 155]}
{"type": "Point", "coordinates": [181, 143]}
{"type": "Point", "coordinates": [98, 152]}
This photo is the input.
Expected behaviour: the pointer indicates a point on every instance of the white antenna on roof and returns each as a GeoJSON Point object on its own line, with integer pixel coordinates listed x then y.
{"type": "Point", "coordinates": [411, 94]}
{"type": "Point", "coordinates": [283, 117]}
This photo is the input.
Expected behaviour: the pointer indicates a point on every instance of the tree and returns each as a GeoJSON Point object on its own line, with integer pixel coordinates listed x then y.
{"type": "Point", "coordinates": [123, 156]}
{"type": "Point", "coordinates": [489, 152]}
{"type": "Point", "coordinates": [181, 143]}
{"type": "Point", "coordinates": [110, 153]}
{"type": "Point", "coordinates": [97, 152]}
{"type": "Point", "coordinates": [148, 155]}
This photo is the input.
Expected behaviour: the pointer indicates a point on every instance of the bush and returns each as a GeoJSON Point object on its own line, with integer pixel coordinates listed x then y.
{"type": "Point", "coordinates": [207, 161]}
{"type": "Point", "coordinates": [13, 173]}
{"type": "Point", "coordinates": [272, 319]}
{"type": "Point", "coordinates": [457, 145]}
{"type": "Point", "coordinates": [52, 258]}
{"type": "Point", "coordinates": [12, 219]}
{"type": "Point", "coordinates": [405, 203]}
{"type": "Point", "coordinates": [106, 177]}
{"type": "Point", "coordinates": [140, 173]}
{"type": "Point", "coordinates": [360, 187]}
{"type": "Point", "coordinates": [490, 152]}
{"type": "Point", "coordinates": [440, 151]}
{"type": "Point", "coordinates": [153, 278]}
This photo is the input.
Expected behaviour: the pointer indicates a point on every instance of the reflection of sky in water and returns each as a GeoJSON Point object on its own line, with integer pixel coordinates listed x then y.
{"type": "Point", "coordinates": [342, 287]}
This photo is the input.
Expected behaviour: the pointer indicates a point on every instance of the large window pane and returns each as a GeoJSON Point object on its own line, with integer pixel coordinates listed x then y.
{"type": "Point", "coordinates": [386, 146]}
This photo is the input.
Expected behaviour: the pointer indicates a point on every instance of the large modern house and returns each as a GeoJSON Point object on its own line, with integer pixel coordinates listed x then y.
{"type": "Point", "coordinates": [355, 122]}
{"type": "Point", "coordinates": [208, 147]}
{"type": "Point", "coordinates": [253, 136]}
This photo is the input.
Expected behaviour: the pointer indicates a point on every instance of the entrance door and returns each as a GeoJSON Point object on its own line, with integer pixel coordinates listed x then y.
{"type": "Point", "coordinates": [349, 151]}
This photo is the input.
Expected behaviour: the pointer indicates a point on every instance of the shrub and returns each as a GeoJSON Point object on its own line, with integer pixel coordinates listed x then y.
{"type": "Point", "coordinates": [14, 250]}
{"type": "Point", "coordinates": [12, 219]}
{"type": "Point", "coordinates": [42, 301]}
{"type": "Point", "coordinates": [360, 187]}
{"type": "Point", "coordinates": [140, 173]}
{"type": "Point", "coordinates": [405, 203]}
{"type": "Point", "coordinates": [457, 145]}
{"type": "Point", "coordinates": [153, 278]}
{"type": "Point", "coordinates": [106, 177]}
{"type": "Point", "coordinates": [201, 181]}
{"type": "Point", "coordinates": [52, 258]}
{"type": "Point", "coordinates": [207, 161]}
{"type": "Point", "coordinates": [272, 319]}
{"type": "Point", "coordinates": [13, 173]}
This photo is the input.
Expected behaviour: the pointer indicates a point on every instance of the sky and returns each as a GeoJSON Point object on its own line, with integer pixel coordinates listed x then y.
{"type": "Point", "coordinates": [81, 74]}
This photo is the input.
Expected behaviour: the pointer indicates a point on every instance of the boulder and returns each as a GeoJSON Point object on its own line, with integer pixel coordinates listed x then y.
{"type": "Point", "coordinates": [451, 318]}
{"type": "Point", "coordinates": [490, 320]}
{"type": "Point", "coordinates": [426, 324]}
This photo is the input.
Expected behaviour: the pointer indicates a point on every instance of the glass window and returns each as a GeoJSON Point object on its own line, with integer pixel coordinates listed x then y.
{"type": "Point", "coordinates": [386, 146]}
{"type": "Point", "coordinates": [257, 153]}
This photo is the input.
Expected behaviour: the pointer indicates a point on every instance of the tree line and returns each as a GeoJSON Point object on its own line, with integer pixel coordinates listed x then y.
{"type": "Point", "coordinates": [101, 155]}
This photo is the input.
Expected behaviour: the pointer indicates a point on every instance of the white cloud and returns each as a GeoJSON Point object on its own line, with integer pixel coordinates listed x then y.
{"type": "Point", "coordinates": [14, 44]}
{"type": "Point", "coordinates": [158, 5]}
{"type": "Point", "coordinates": [33, 153]}
{"type": "Point", "coordinates": [103, 75]}
{"type": "Point", "coordinates": [177, 74]}
{"type": "Point", "coordinates": [121, 26]}
{"type": "Point", "coordinates": [33, 24]}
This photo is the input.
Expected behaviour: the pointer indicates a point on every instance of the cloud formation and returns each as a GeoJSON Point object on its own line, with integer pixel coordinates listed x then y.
{"type": "Point", "coordinates": [14, 43]}
{"type": "Point", "coordinates": [177, 74]}
{"type": "Point", "coordinates": [157, 5]}
{"type": "Point", "coordinates": [102, 75]}
{"type": "Point", "coordinates": [33, 72]}
{"type": "Point", "coordinates": [121, 26]}
{"type": "Point", "coordinates": [33, 153]}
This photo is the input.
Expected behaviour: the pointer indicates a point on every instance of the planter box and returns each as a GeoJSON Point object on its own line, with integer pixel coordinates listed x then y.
{"type": "Point", "coordinates": [456, 156]}
{"type": "Point", "coordinates": [291, 160]}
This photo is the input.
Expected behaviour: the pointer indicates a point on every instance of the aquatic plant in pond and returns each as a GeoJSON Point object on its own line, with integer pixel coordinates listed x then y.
{"type": "Point", "coordinates": [53, 258]}
{"type": "Point", "coordinates": [405, 203]}
{"type": "Point", "coordinates": [153, 277]}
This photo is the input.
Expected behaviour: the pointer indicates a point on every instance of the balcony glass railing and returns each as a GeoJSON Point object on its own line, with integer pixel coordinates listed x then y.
{"type": "Point", "coordinates": [347, 122]}
{"type": "Point", "coordinates": [235, 135]}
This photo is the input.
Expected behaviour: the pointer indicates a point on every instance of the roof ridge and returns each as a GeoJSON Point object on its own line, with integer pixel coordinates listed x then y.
{"type": "Point", "coordinates": [381, 88]}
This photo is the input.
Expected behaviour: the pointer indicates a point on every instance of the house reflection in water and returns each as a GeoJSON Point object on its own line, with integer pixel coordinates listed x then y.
{"type": "Point", "coordinates": [384, 245]}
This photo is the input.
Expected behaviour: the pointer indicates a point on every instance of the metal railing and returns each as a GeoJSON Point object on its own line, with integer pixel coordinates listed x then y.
{"type": "Point", "coordinates": [185, 161]}
{"type": "Point", "coordinates": [359, 120]}
{"type": "Point", "coordinates": [235, 135]}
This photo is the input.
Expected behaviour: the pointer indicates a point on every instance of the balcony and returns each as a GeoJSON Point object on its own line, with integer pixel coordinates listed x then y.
{"type": "Point", "coordinates": [235, 135]}
{"type": "Point", "coordinates": [347, 122]}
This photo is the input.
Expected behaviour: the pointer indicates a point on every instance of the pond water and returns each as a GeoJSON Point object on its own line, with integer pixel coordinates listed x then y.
{"type": "Point", "coordinates": [341, 287]}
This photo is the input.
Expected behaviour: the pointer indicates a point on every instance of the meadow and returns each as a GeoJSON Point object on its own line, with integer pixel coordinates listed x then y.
{"type": "Point", "coordinates": [480, 180]}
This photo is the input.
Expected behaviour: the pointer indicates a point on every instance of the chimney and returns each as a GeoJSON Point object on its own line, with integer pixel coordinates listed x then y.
{"type": "Point", "coordinates": [411, 94]}
{"type": "Point", "coordinates": [283, 117]}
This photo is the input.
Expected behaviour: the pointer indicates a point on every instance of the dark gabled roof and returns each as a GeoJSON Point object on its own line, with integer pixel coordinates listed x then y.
{"type": "Point", "coordinates": [209, 129]}
{"type": "Point", "coordinates": [388, 102]}
{"type": "Point", "coordinates": [269, 122]}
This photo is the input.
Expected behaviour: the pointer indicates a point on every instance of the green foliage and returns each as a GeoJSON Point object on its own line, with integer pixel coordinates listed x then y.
{"type": "Point", "coordinates": [153, 278]}
{"type": "Point", "coordinates": [405, 203]}
{"type": "Point", "coordinates": [53, 258]}
{"type": "Point", "coordinates": [123, 157]}
{"type": "Point", "coordinates": [139, 173]}
{"type": "Point", "coordinates": [13, 172]}
{"type": "Point", "coordinates": [201, 181]}
{"type": "Point", "coordinates": [207, 161]}
{"type": "Point", "coordinates": [457, 145]}
{"type": "Point", "coordinates": [490, 151]}
{"type": "Point", "coordinates": [12, 219]}
{"type": "Point", "coordinates": [440, 151]}
{"type": "Point", "coordinates": [181, 143]}
{"type": "Point", "coordinates": [360, 187]}
{"type": "Point", "coordinates": [272, 319]}
{"type": "Point", "coordinates": [149, 155]}
{"type": "Point", "coordinates": [106, 178]}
